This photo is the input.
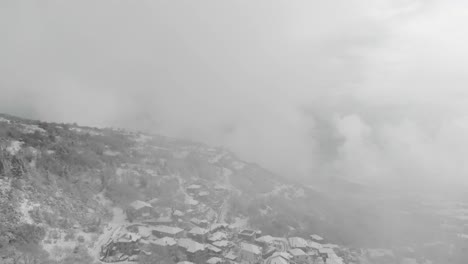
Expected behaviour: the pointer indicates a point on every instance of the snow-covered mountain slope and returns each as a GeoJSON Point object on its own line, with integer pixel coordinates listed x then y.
{"type": "Point", "coordinates": [64, 189]}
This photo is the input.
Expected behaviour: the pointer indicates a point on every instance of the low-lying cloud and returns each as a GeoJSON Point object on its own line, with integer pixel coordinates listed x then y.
{"type": "Point", "coordinates": [371, 91]}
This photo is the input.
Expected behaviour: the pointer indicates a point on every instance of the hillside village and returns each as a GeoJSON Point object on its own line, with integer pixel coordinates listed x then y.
{"type": "Point", "coordinates": [192, 235]}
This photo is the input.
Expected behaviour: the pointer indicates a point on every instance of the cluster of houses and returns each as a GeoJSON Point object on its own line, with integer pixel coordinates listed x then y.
{"type": "Point", "coordinates": [200, 240]}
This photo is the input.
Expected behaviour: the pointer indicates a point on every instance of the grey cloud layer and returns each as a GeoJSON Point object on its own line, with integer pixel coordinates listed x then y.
{"type": "Point", "coordinates": [372, 90]}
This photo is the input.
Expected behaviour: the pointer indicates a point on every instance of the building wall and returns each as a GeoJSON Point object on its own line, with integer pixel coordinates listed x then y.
{"type": "Point", "coordinates": [143, 211]}
{"type": "Point", "coordinates": [249, 256]}
{"type": "Point", "coordinates": [199, 238]}
{"type": "Point", "coordinates": [126, 247]}
{"type": "Point", "coordinates": [197, 257]}
{"type": "Point", "coordinates": [301, 259]}
{"type": "Point", "coordinates": [171, 249]}
{"type": "Point", "coordinates": [269, 253]}
{"type": "Point", "coordinates": [133, 214]}
{"type": "Point", "coordinates": [246, 237]}
{"type": "Point", "coordinates": [163, 234]}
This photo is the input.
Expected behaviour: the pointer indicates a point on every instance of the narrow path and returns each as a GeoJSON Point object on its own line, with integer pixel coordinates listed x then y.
{"type": "Point", "coordinates": [116, 224]}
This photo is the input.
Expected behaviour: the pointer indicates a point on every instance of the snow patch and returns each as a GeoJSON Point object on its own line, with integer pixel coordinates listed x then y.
{"type": "Point", "coordinates": [82, 131]}
{"type": "Point", "coordinates": [24, 208]}
{"type": "Point", "coordinates": [30, 129]}
{"type": "Point", "coordinates": [15, 147]}
{"type": "Point", "coordinates": [4, 120]}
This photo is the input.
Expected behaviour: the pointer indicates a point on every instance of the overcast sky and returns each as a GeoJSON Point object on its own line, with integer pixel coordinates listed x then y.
{"type": "Point", "coordinates": [369, 90]}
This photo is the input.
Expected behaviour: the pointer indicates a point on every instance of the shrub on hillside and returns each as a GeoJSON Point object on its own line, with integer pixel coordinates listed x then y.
{"type": "Point", "coordinates": [79, 255]}
{"type": "Point", "coordinates": [36, 139]}
{"type": "Point", "coordinates": [81, 239]}
{"type": "Point", "coordinates": [28, 233]}
{"type": "Point", "coordinates": [17, 184]}
{"type": "Point", "coordinates": [115, 141]}
{"type": "Point", "coordinates": [122, 193]}
{"type": "Point", "coordinates": [49, 218]}
{"type": "Point", "coordinates": [70, 235]}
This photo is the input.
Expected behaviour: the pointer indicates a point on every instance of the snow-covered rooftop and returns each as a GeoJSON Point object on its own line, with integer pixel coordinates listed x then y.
{"type": "Point", "coordinates": [213, 248]}
{"type": "Point", "coordinates": [165, 241]}
{"type": "Point", "coordinates": [214, 260]}
{"type": "Point", "coordinates": [266, 239]}
{"type": "Point", "coordinates": [217, 236]}
{"type": "Point", "coordinates": [168, 229]}
{"type": "Point", "coordinates": [128, 238]}
{"type": "Point", "coordinates": [297, 252]}
{"type": "Point", "coordinates": [222, 243]}
{"type": "Point", "coordinates": [334, 259]}
{"type": "Point", "coordinates": [190, 245]}
{"type": "Point", "coordinates": [144, 231]}
{"type": "Point", "coordinates": [316, 237]}
{"type": "Point", "coordinates": [315, 245]}
{"type": "Point", "coordinates": [278, 260]}
{"type": "Point", "coordinates": [297, 242]}
{"type": "Point", "coordinates": [251, 248]}
{"type": "Point", "coordinates": [198, 231]}
{"type": "Point", "coordinates": [284, 255]}
{"type": "Point", "coordinates": [198, 221]}
{"type": "Point", "coordinates": [231, 255]}
{"type": "Point", "coordinates": [164, 219]}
